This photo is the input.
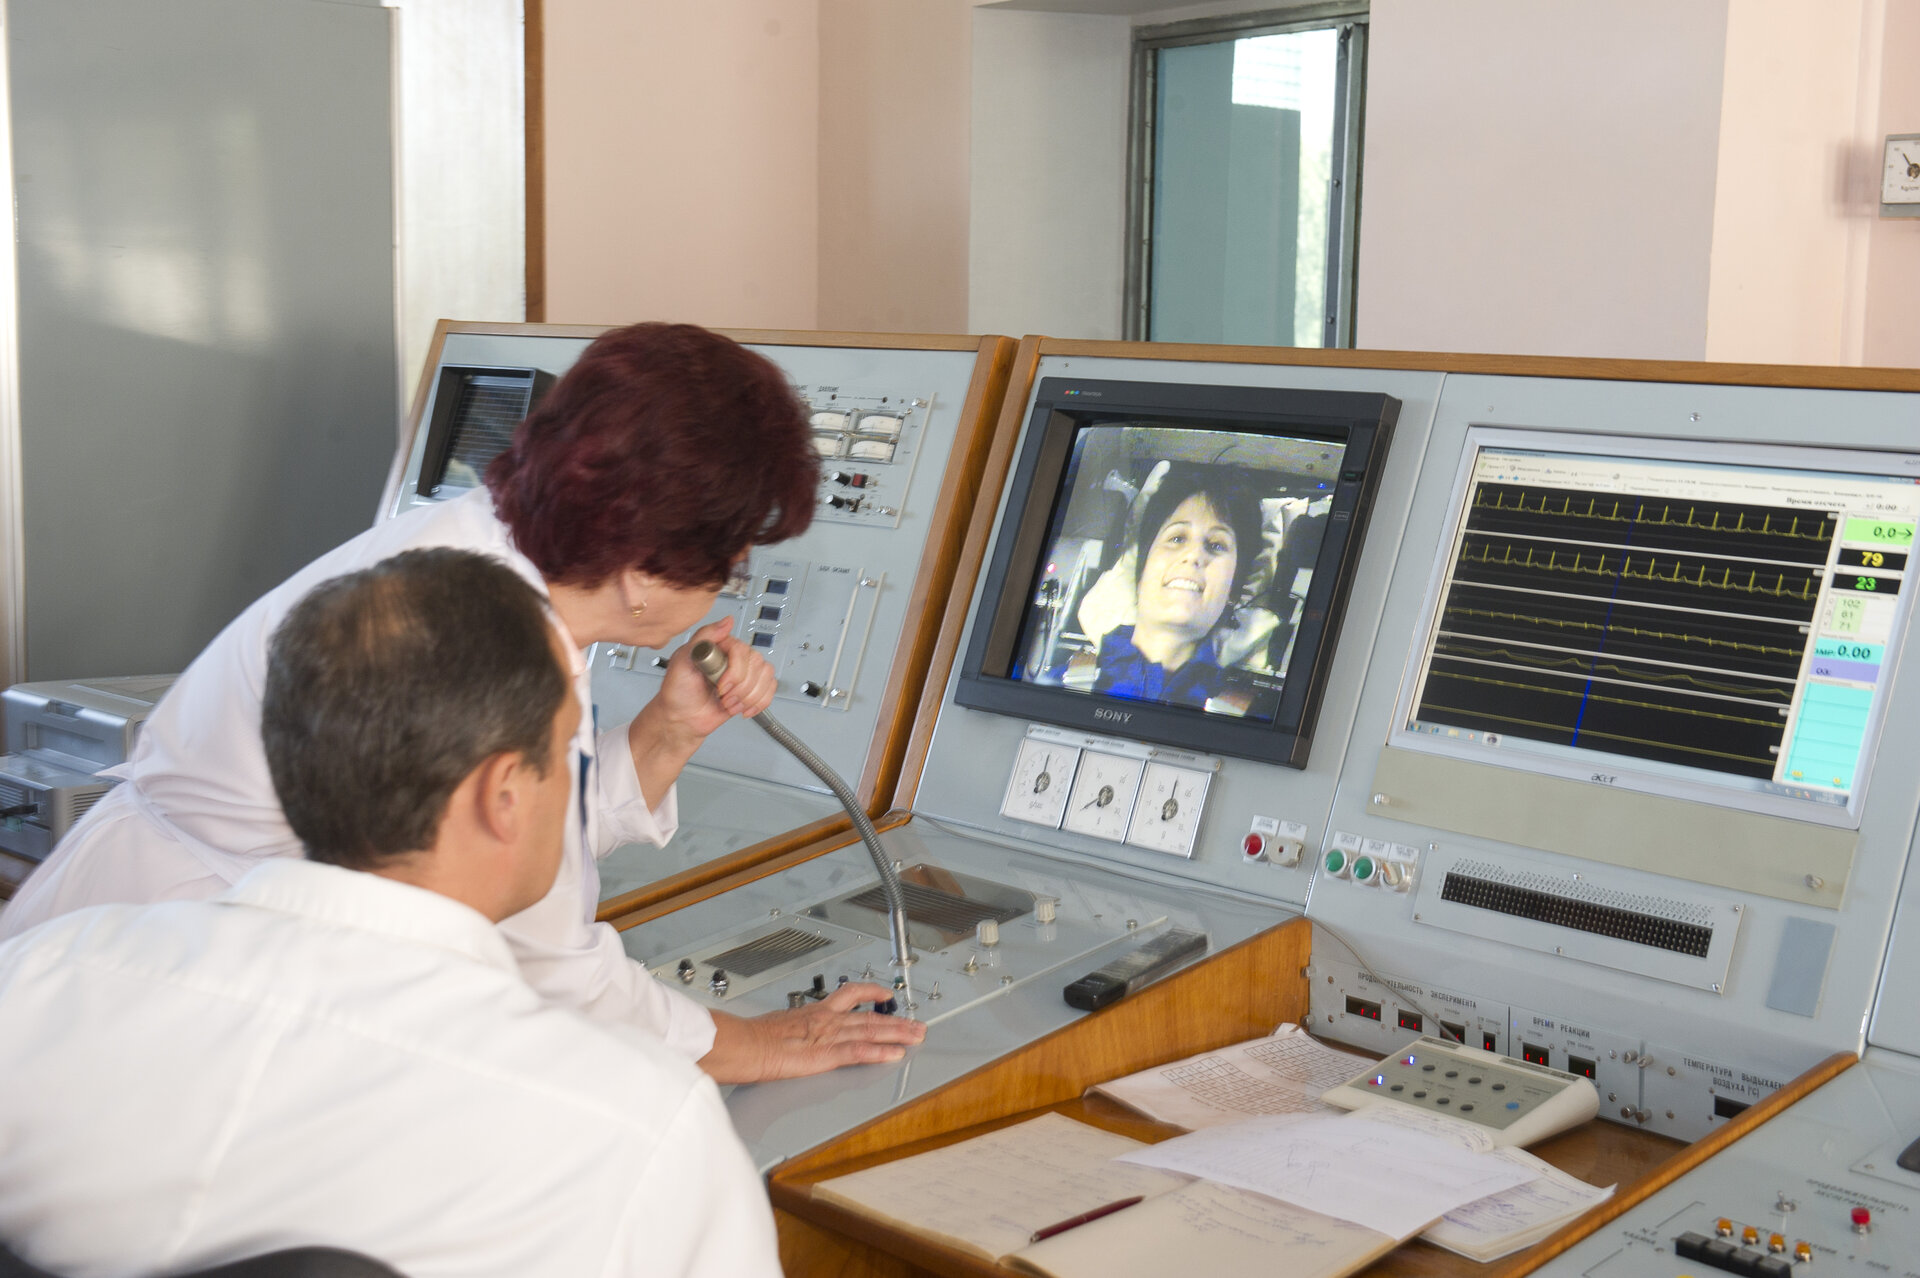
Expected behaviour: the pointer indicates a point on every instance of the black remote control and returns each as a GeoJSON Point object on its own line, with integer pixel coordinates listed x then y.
{"type": "Point", "coordinates": [1134, 969]}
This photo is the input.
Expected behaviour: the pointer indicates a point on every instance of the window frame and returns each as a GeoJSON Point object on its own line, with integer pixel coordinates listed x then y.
{"type": "Point", "coordinates": [1349, 111]}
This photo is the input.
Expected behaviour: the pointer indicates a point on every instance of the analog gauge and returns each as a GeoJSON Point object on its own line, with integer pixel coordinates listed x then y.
{"type": "Point", "coordinates": [1102, 797]}
{"type": "Point", "coordinates": [1900, 174]}
{"type": "Point", "coordinates": [1166, 816]}
{"type": "Point", "coordinates": [1042, 776]}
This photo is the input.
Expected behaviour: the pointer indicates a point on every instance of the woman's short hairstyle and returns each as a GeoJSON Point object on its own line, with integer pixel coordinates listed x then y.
{"type": "Point", "coordinates": [387, 687]}
{"type": "Point", "coordinates": [665, 448]}
{"type": "Point", "coordinates": [1231, 499]}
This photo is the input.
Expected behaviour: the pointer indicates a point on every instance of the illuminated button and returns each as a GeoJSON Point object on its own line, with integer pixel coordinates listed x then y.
{"type": "Point", "coordinates": [1364, 869]}
{"type": "Point", "coordinates": [1777, 1242]}
{"type": "Point", "coordinates": [1750, 1236]}
{"type": "Point", "coordinates": [1253, 846]}
{"type": "Point", "coordinates": [1410, 1060]}
{"type": "Point", "coordinates": [1337, 863]}
{"type": "Point", "coordinates": [1379, 1080]}
{"type": "Point", "coordinates": [1723, 1227]}
{"type": "Point", "coordinates": [1862, 1220]}
{"type": "Point", "coordinates": [1803, 1252]}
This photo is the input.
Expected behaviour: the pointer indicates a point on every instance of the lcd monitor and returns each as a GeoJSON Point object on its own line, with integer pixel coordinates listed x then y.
{"type": "Point", "coordinates": [1716, 622]}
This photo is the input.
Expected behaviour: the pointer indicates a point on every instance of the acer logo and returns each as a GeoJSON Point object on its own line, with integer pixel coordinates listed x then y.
{"type": "Point", "coordinates": [1115, 716]}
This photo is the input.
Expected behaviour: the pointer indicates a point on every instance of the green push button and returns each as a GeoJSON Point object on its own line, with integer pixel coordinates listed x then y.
{"type": "Point", "coordinates": [1336, 861]}
{"type": "Point", "coordinates": [1363, 868]}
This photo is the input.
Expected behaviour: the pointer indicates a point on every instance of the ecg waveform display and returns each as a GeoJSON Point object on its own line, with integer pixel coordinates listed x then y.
{"type": "Point", "coordinates": [1651, 627]}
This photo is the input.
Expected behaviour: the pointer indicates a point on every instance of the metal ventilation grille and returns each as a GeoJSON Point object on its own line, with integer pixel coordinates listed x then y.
{"type": "Point", "coordinates": [767, 951]}
{"type": "Point", "coordinates": [939, 909]}
{"type": "Point", "coordinates": [11, 796]}
{"type": "Point", "coordinates": [84, 804]}
{"type": "Point", "coordinates": [1582, 916]}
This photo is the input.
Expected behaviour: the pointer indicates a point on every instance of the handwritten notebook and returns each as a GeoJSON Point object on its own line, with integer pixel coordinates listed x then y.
{"type": "Point", "coordinates": [989, 1195]}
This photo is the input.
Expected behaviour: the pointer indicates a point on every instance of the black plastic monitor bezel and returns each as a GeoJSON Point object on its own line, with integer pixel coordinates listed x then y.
{"type": "Point", "coordinates": [1360, 421]}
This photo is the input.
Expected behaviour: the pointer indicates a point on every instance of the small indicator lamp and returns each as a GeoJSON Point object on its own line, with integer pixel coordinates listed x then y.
{"type": "Point", "coordinates": [1862, 1220]}
{"type": "Point", "coordinates": [1379, 1080]}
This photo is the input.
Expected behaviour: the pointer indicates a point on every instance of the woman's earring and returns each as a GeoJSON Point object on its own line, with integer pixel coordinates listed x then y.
{"type": "Point", "coordinates": [637, 611]}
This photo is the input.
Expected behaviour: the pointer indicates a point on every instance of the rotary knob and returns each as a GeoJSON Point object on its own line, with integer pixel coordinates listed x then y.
{"type": "Point", "coordinates": [1045, 910]}
{"type": "Point", "coordinates": [987, 933]}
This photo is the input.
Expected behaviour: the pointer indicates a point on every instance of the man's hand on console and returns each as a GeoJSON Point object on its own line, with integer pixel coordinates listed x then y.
{"type": "Point", "coordinates": [809, 1040]}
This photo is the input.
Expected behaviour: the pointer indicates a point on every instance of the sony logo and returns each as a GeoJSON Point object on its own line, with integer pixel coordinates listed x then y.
{"type": "Point", "coordinates": [1115, 716]}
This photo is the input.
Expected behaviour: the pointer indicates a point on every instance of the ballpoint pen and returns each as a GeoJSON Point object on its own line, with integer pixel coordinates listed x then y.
{"type": "Point", "coordinates": [1074, 1222]}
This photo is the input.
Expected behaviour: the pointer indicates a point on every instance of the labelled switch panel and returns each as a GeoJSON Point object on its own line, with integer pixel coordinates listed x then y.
{"type": "Point", "coordinates": [810, 620]}
{"type": "Point", "coordinates": [1687, 1096]}
{"type": "Point", "coordinates": [1371, 863]}
{"type": "Point", "coordinates": [1612, 1061]}
{"type": "Point", "coordinates": [1350, 1006]}
{"type": "Point", "coordinates": [868, 442]}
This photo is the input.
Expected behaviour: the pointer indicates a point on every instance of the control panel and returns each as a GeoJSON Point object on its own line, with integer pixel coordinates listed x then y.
{"type": "Point", "coordinates": [1512, 1102]}
{"type": "Point", "coordinates": [833, 610]}
{"type": "Point", "coordinates": [1829, 1187]}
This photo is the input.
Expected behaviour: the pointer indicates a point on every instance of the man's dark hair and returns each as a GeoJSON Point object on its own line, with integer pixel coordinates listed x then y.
{"type": "Point", "coordinates": [387, 686]}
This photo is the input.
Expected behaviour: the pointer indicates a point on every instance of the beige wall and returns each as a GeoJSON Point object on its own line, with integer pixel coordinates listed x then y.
{"type": "Point", "coordinates": [893, 132]}
{"type": "Point", "coordinates": [682, 171]}
{"type": "Point", "coordinates": [1791, 218]}
{"type": "Point", "coordinates": [1892, 324]}
{"type": "Point", "coordinates": [1539, 176]}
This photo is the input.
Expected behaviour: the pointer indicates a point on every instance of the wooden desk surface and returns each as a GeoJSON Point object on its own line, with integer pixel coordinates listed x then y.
{"type": "Point", "coordinates": [1599, 1153]}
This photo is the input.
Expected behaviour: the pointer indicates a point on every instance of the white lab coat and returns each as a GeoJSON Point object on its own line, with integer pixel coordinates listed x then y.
{"type": "Point", "coordinates": [197, 809]}
{"type": "Point", "coordinates": [325, 1057]}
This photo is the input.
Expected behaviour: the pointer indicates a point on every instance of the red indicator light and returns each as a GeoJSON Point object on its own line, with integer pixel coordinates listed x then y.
{"type": "Point", "coordinates": [1253, 845]}
{"type": "Point", "coordinates": [1409, 1060]}
{"type": "Point", "coordinates": [1862, 1218]}
{"type": "Point", "coordinates": [1379, 1080]}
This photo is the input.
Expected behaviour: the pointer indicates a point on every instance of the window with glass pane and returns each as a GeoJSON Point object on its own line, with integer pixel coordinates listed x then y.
{"type": "Point", "coordinates": [1242, 209]}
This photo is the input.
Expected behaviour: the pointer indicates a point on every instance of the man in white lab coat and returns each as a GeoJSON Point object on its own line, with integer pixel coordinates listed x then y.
{"type": "Point", "coordinates": [341, 1050]}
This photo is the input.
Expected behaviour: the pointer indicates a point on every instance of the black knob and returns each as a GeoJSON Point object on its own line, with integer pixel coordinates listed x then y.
{"type": "Point", "coordinates": [887, 1008]}
{"type": "Point", "coordinates": [811, 688]}
{"type": "Point", "coordinates": [819, 989]}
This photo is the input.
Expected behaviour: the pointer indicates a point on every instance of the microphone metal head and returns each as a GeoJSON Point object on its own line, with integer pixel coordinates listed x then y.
{"type": "Point", "coordinates": [710, 659]}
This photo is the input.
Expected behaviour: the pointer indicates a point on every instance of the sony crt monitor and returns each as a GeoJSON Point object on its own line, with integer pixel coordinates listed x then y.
{"type": "Point", "coordinates": [1172, 561]}
{"type": "Point", "coordinates": [1714, 622]}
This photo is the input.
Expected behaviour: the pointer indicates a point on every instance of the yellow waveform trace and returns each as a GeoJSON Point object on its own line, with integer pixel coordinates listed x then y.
{"type": "Point", "coordinates": [1428, 709]}
{"type": "Point", "coordinates": [1638, 632]}
{"type": "Point", "coordinates": [1772, 724]}
{"type": "Point", "coordinates": [1803, 591]}
{"type": "Point", "coordinates": [1576, 661]}
{"type": "Point", "coordinates": [1641, 517]}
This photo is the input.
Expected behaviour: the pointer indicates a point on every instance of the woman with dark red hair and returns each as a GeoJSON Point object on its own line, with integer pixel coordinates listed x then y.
{"type": "Point", "coordinates": [662, 457]}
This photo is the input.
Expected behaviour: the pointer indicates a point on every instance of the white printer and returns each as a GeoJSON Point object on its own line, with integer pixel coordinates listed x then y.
{"type": "Point", "coordinates": [58, 735]}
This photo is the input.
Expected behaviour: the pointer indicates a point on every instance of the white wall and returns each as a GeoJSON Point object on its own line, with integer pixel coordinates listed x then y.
{"type": "Point", "coordinates": [1893, 261]}
{"type": "Point", "coordinates": [462, 169]}
{"type": "Point", "coordinates": [1792, 219]}
{"type": "Point", "coordinates": [1539, 176]}
{"type": "Point", "coordinates": [1049, 186]}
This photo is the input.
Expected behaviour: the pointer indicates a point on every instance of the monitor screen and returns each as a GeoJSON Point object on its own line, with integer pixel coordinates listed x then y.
{"type": "Point", "coordinates": [1713, 622]}
{"type": "Point", "coordinates": [1173, 559]}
